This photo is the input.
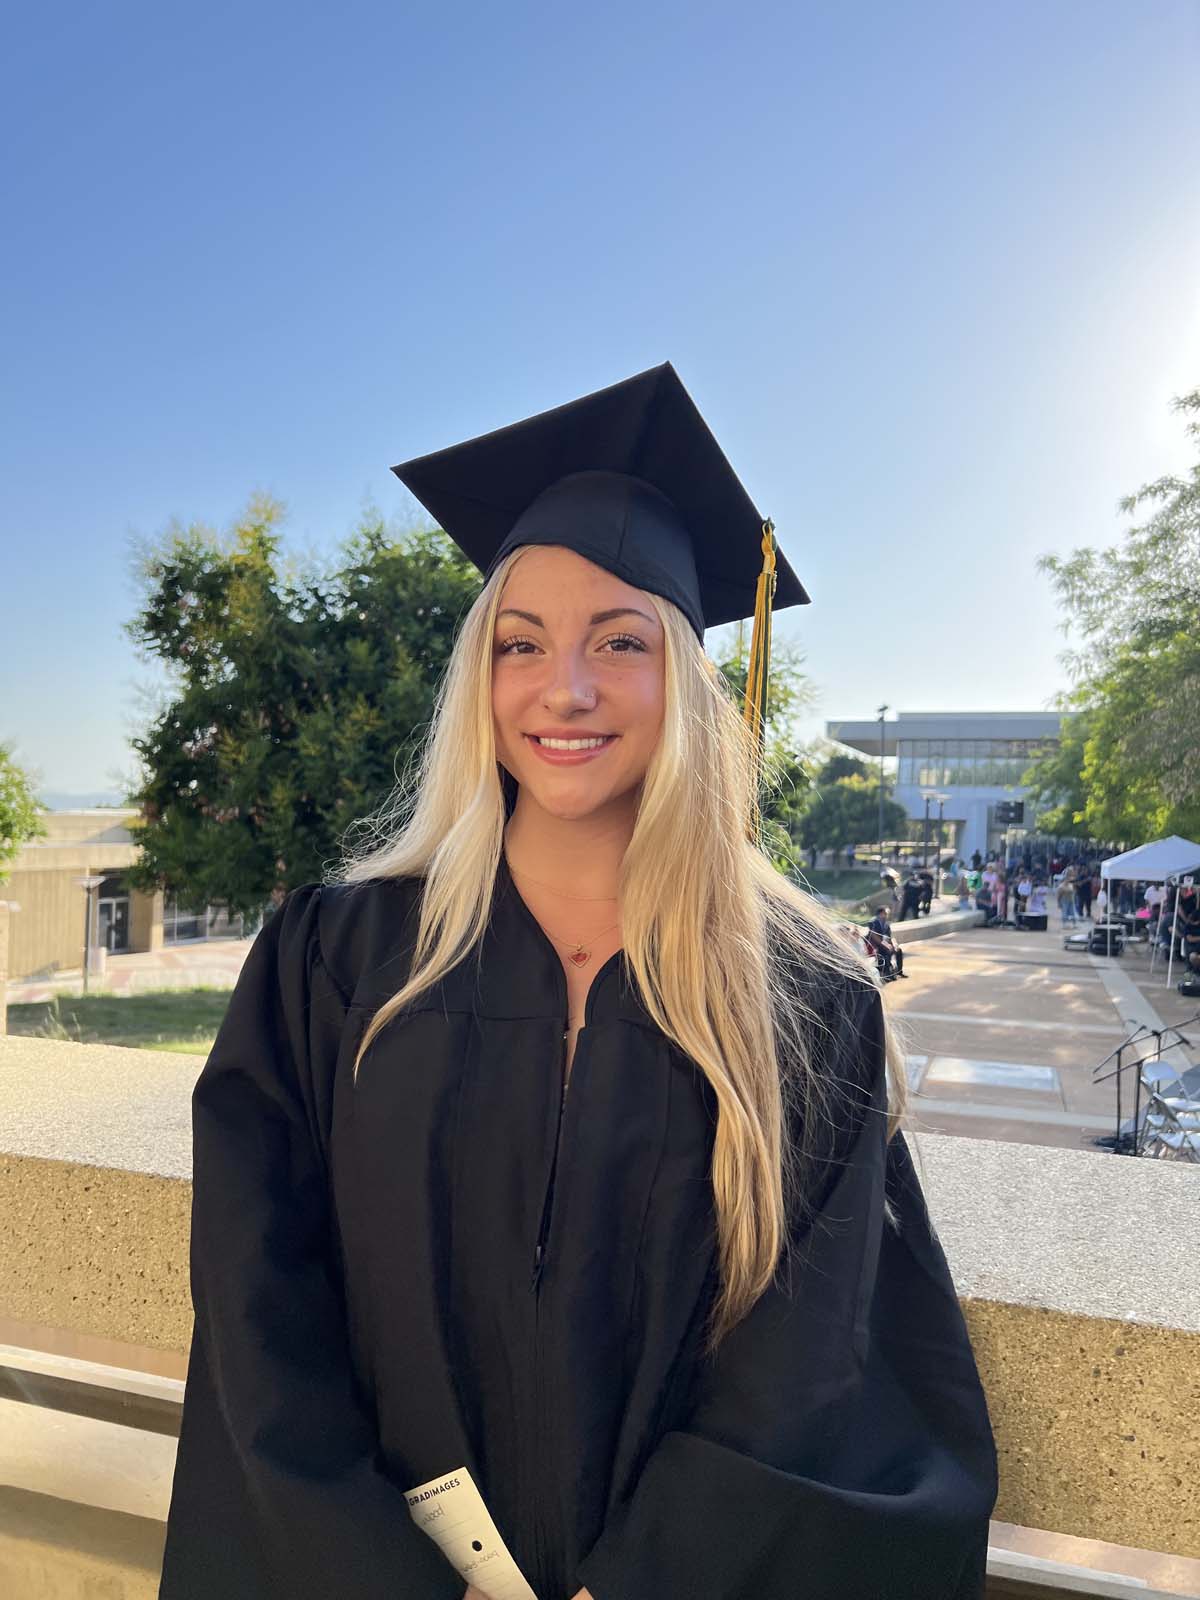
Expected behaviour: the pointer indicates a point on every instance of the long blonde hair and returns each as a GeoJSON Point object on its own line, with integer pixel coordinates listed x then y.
{"type": "Point", "coordinates": [705, 916]}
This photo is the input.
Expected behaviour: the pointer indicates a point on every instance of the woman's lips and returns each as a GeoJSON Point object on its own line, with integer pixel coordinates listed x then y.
{"type": "Point", "coordinates": [570, 758]}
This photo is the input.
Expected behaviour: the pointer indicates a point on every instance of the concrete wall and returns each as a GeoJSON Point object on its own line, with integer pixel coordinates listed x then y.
{"type": "Point", "coordinates": [1076, 1271]}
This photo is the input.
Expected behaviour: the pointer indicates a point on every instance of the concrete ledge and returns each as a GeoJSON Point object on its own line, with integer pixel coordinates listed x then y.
{"type": "Point", "coordinates": [95, 1250]}
{"type": "Point", "coordinates": [56, 1550]}
{"type": "Point", "coordinates": [934, 925]}
{"type": "Point", "coordinates": [1076, 1271]}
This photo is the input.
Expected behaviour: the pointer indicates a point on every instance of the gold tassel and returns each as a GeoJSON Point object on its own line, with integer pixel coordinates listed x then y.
{"type": "Point", "coordinates": [757, 675]}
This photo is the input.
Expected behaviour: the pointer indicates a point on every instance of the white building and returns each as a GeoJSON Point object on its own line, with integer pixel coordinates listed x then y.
{"type": "Point", "coordinates": [974, 758]}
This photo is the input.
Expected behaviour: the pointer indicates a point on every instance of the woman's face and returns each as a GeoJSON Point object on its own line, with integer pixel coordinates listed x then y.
{"type": "Point", "coordinates": [577, 653]}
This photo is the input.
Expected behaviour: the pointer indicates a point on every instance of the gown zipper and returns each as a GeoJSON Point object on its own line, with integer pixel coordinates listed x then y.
{"type": "Point", "coordinates": [543, 1420]}
{"type": "Point", "coordinates": [539, 1253]}
{"type": "Point", "coordinates": [541, 1452]}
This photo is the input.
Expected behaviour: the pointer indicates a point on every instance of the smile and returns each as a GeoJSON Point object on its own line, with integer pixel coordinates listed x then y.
{"type": "Point", "coordinates": [570, 752]}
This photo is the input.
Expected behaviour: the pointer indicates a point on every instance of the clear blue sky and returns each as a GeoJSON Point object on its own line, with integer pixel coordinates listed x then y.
{"type": "Point", "coordinates": [929, 271]}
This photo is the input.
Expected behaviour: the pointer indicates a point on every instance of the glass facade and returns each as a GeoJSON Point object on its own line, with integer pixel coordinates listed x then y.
{"type": "Point", "coordinates": [937, 763]}
{"type": "Point", "coordinates": [181, 925]}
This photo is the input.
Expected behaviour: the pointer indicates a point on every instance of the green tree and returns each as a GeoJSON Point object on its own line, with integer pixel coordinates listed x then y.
{"type": "Point", "coordinates": [293, 694]}
{"type": "Point", "coordinates": [1137, 668]}
{"type": "Point", "coordinates": [1055, 782]}
{"type": "Point", "coordinates": [785, 775]}
{"type": "Point", "coordinates": [20, 811]}
{"type": "Point", "coordinates": [840, 766]}
{"type": "Point", "coordinates": [846, 811]}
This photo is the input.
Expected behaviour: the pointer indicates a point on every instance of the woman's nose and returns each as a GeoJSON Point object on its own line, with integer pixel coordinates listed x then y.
{"type": "Point", "coordinates": [570, 684]}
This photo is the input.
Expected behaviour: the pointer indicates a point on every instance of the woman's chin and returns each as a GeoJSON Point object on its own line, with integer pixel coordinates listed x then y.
{"type": "Point", "coordinates": [572, 798]}
{"type": "Point", "coordinates": [569, 803]}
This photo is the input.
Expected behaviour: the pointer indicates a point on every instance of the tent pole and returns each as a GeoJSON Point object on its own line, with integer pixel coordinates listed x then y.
{"type": "Point", "coordinates": [1174, 920]}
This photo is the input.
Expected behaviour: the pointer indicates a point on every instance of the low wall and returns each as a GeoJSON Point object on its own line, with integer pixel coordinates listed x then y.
{"type": "Point", "coordinates": [1076, 1271]}
{"type": "Point", "coordinates": [934, 925]}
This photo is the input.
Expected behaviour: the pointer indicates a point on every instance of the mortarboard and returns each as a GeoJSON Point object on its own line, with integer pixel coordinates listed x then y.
{"type": "Point", "coordinates": [632, 478]}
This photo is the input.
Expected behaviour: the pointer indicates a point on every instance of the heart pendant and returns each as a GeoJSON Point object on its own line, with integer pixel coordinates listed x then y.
{"type": "Point", "coordinates": [580, 957]}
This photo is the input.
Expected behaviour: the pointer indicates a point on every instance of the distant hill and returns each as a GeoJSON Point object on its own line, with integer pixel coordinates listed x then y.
{"type": "Point", "coordinates": [58, 800]}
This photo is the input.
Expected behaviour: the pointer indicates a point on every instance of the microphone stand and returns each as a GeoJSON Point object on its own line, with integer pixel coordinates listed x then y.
{"type": "Point", "coordinates": [1120, 1142]}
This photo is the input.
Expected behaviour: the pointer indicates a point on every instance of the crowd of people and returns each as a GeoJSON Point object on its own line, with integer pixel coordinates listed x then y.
{"type": "Point", "coordinates": [1018, 892]}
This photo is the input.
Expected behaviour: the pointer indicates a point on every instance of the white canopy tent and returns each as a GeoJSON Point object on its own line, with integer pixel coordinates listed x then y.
{"type": "Point", "coordinates": [1163, 861]}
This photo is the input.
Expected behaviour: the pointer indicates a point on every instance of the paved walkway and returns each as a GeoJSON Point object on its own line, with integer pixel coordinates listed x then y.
{"type": "Point", "coordinates": [1005, 1030]}
{"type": "Point", "coordinates": [204, 961]}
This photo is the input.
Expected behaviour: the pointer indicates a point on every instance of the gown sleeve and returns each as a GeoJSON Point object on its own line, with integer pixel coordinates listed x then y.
{"type": "Point", "coordinates": [278, 1492]}
{"type": "Point", "coordinates": [838, 1446]}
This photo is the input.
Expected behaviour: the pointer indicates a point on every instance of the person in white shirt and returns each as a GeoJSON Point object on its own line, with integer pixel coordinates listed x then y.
{"type": "Point", "coordinates": [1024, 889]}
{"type": "Point", "coordinates": [1100, 903]}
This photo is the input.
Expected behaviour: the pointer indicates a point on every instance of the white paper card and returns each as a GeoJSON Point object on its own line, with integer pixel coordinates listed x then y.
{"type": "Point", "coordinates": [451, 1511]}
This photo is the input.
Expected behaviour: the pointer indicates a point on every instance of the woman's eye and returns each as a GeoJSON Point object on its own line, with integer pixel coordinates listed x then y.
{"type": "Point", "coordinates": [510, 647]}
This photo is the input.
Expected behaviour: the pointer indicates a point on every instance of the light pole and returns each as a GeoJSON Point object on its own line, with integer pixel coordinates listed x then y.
{"type": "Point", "coordinates": [926, 795]}
{"type": "Point", "coordinates": [89, 883]}
{"type": "Point", "coordinates": [941, 800]}
{"type": "Point", "coordinates": [880, 713]}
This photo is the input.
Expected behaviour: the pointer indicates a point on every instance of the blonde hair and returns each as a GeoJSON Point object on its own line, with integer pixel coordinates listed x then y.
{"type": "Point", "coordinates": [705, 915]}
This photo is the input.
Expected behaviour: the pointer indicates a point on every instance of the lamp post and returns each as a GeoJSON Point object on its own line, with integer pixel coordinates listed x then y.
{"type": "Point", "coordinates": [941, 800]}
{"type": "Point", "coordinates": [880, 713]}
{"type": "Point", "coordinates": [926, 795]}
{"type": "Point", "coordinates": [89, 883]}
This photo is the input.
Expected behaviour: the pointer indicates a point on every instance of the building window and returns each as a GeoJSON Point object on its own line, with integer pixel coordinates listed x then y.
{"type": "Point", "coordinates": [181, 924]}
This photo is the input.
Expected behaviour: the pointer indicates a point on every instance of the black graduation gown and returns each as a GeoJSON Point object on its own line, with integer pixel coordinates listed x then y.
{"type": "Point", "coordinates": [369, 1314]}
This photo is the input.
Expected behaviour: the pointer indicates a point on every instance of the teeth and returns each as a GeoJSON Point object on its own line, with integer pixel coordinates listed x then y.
{"type": "Point", "coordinates": [571, 744]}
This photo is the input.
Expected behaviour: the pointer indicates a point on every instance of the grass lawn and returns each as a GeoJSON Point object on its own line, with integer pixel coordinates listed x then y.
{"type": "Point", "coordinates": [183, 1020]}
{"type": "Point", "coordinates": [186, 1020]}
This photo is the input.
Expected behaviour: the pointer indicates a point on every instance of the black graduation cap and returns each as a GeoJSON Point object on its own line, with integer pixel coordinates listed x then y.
{"type": "Point", "coordinates": [632, 478]}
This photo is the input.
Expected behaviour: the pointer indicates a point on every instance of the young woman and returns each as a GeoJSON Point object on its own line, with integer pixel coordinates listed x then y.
{"type": "Point", "coordinates": [552, 1230]}
{"type": "Point", "coordinates": [1066, 898]}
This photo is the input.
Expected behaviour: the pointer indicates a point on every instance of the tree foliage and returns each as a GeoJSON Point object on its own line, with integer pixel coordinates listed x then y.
{"type": "Point", "coordinates": [845, 810]}
{"type": "Point", "coordinates": [1056, 788]}
{"type": "Point", "coordinates": [786, 777]}
{"type": "Point", "coordinates": [294, 696]}
{"type": "Point", "coordinates": [20, 810]}
{"type": "Point", "coordinates": [1136, 694]}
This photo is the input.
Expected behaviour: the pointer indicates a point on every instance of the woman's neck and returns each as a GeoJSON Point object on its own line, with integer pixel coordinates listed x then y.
{"type": "Point", "coordinates": [582, 859]}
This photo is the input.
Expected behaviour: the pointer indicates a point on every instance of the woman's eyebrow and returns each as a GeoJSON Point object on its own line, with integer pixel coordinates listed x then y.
{"type": "Point", "coordinates": [597, 616]}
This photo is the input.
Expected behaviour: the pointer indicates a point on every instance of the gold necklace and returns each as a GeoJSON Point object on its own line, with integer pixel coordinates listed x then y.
{"type": "Point", "coordinates": [580, 954]}
{"type": "Point", "coordinates": [594, 899]}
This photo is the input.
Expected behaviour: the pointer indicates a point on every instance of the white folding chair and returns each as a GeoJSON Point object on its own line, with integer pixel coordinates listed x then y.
{"type": "Point", "coordinates": [1170, 1127]}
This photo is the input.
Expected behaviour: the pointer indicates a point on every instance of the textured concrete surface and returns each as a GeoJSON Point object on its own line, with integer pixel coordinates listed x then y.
{"type": "Point", "coordinates": [98, 1104]}
{"type": "Point", "coordinates": [95, 1249]}
{"type": "Point", "coordinates": [1095, 1425]}
{"type": "Point", "coordinates": [1073, 1231]}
